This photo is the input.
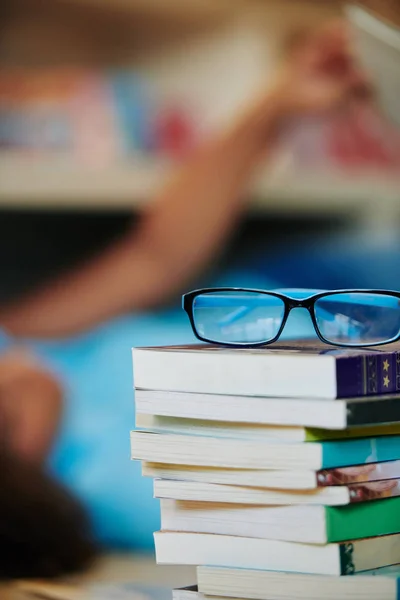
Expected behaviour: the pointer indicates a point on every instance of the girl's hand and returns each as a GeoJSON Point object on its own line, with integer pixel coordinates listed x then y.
{"type": "Point", "coordinates": [320, 74]}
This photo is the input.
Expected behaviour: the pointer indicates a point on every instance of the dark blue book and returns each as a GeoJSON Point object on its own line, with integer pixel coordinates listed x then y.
{"type": "Point", "coordinates": [304, 369]}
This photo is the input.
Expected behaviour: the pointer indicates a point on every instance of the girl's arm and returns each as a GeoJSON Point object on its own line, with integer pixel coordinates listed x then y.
{"type": "Point", "coordinates": [190, 220]}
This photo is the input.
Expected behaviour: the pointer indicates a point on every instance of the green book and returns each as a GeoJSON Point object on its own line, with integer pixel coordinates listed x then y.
{"type": "Point", "coordinates": [320, 435]}
{"type": "Point", "coordinates": [306, 524]}
{"type": "Point", "coordinates": [363, 520]}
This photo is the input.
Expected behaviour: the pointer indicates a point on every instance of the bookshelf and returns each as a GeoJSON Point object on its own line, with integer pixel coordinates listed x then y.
{"type": "Point", "coordinates": [163, 40]}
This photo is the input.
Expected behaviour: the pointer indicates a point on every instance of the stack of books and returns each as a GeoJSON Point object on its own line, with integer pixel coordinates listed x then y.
{"type": "Point", "coordinates": [277, 469]}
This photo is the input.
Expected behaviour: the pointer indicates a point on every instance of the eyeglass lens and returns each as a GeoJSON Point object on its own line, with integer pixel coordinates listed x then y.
{"type": "Point", "coordinates": [358, 318]}
{"type": "Point", "coordinates": [238, 317]}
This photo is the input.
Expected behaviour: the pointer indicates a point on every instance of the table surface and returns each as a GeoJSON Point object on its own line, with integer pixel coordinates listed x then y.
{"type": "Point", "coordinates": [108, 570]}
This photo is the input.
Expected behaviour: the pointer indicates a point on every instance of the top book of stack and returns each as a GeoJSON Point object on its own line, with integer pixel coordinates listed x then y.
{"type": "Point", "coordinates": [304, 369]}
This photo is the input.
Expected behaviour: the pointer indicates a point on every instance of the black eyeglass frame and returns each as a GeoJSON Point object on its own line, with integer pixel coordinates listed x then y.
{"type": "Point", "coordinates": [289, 303]}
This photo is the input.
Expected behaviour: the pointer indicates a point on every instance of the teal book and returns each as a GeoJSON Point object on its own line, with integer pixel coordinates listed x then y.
{"type": "Point", "coordinates": [359, 451]}
{"type": "Point", "coordinates": [213, 451]}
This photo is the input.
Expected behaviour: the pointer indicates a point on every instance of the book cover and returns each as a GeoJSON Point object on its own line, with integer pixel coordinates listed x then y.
{"type": "Point", "coordinates": [365, 520]}
{"type": "Point", "coordinates": [346, 453]}
{"type": "Point", "coordinates": [380, 410]}
{"type": "Point", "coordinates": [374, 490]}
{"type": "Point", "coordinates": [320, 435]}
{"type": "Point", "coordinates": [360, 473]}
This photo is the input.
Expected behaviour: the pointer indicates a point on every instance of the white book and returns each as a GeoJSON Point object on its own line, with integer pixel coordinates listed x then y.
{"type": "Point", "coordinates": [243, 409]}
{"type": "Point", "coordinates": [281, 371]}
{"type": "Point", "coordinates": [233, 494]}
{"type": "Point", "coordinates": [287, 412]}
{"type": "Point", "coordinates": [250, 553]}
{"type": "Point", "coordinates": [220, 452]}
{"type": "Point", "coordinates": [380, 584]}
{"type": "Point", "coordinates": [283, 480]}
{"type": "Point", "coordinates": [257, 431]}
{"type": "Point", "coordinates": [293, 480]}
{"type": "Point", "coordinates": [162, 424]}
{"type": "Point", "coordinates": [187, 593]}
{"type": "Point", "coordinates": [304, 524]}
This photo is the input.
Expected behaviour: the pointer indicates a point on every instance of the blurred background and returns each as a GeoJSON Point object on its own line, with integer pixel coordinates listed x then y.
{"type": "Point", "coordinates": [100, 99]}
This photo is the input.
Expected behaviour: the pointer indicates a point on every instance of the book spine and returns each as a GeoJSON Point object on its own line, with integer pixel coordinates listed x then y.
{"type": "Point", "coordinates": [359, 474]}
{"type": "Point", "coordinates": [347, 453]}
{"type": "Point", "coordinates": [362, 520]}
{"type": "Point", "coordinates": [374, 490]}
{"type": "Point", "coordinates": [386, 410]}
{"type": "Point", "coordinates": [368, 374]}
{"type": "Point", "coordinates": [347, 566]}
{"type": "Point", "coordinates": [324, 435]}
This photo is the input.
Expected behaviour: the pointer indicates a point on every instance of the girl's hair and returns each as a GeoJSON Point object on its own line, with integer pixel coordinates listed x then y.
{"type": "Point", "coordinates": [44, 532]}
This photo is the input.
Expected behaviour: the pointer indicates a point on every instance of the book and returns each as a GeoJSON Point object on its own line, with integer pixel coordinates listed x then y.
{"type": "Point", "coordinates": [292, 480]}
{"type": "Point", "coordinates": [377, 43]}
{"type": "Point", "coordinates": [306, 524]}
{"type": "Point", "coordinates": [162, 424]}
{"type": "Point", "coordinates": [339, 415]}
{"type": "Point", "coordinates": [293, 369]}
{"type": "Point", "coordinates": [338, 495]}
{"type": "Point", "coordinates": [190, 592]}
{"type": "Point", "coordinates": [250, 553]}
{"type": "Point", "coordinates": [249, 454]}
{"type": "Point", "coordinates": [379, 584]}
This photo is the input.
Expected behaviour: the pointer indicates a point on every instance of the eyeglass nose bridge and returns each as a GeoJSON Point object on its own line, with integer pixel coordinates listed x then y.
{"type": "Point", "coordinates": [294, 303]}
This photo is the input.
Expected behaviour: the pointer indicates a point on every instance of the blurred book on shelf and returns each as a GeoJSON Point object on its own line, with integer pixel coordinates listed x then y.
{"type": "Point", "coordinates": [94, 117]}
{"type": "Point", "coordinates": [348, 144]}
{"type": "Point", "coordinates": [375, 27]}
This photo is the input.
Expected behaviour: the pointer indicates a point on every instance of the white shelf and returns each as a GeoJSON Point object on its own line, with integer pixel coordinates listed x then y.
{"type": "Point", "coordinates": [366, 196]}
{"type": "Point", "coordinates": [29, 183]}
{"type": "Point", "coordinates": [58, 183]}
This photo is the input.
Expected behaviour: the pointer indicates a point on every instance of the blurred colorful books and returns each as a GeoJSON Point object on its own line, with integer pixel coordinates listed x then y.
{"type": "Point", "coordinates": [94, 117]}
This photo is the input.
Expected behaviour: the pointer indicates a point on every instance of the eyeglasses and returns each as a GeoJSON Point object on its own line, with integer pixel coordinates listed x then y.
{"type": "Point", "coordinates": [245, 317]}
